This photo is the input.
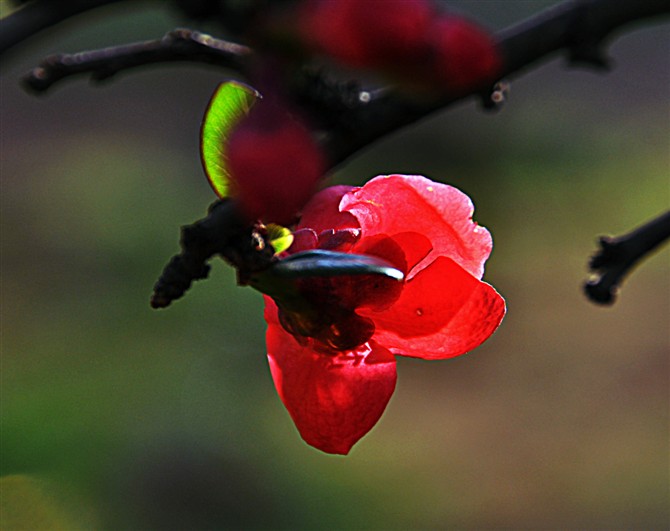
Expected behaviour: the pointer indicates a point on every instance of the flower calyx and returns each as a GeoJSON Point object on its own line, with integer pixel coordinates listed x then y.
{"type": "Point", "coordinates": [318, 292]}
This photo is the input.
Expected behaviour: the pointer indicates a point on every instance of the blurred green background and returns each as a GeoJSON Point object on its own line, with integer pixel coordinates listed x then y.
{"type": "Point", "coordinates": [128, 418]}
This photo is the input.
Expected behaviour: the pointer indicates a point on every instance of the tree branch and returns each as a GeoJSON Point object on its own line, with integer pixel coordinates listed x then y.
{"type": "Point", "coordinates": [579, 27]}
{"type": "Point", "coordinates": [176, 45]}
{"type": "Point", "coordinates": [33, 17]}
{"type": "Point", "coordinates": [617, 256]}
{"type": "Point", "coordinates": [222, 232]}
{"type": "Point", "coordinates": [352, 117]}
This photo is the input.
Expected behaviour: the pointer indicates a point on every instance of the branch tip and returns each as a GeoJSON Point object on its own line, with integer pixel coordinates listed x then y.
{"type": "Point", "coordinates": [600, 293]}
{"type": "Point", "coordinates": [177, 45]}
{"type": "Point", "coordinates": [617, 257]}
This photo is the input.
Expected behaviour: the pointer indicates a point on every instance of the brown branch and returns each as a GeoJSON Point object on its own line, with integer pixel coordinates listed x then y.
{"type": "Point", "coordinates": [617, 256]}
{"type": "Point", "coordinates": [36, 16]}
{"type": "Point", "coordinates": [176, 45]}
{"type": "Point", "coordinates": [222, 232]}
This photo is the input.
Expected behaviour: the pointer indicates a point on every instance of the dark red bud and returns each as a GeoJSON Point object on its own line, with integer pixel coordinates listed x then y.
{"type": "Point", "coordinates": [465, 54]}
{"type": "Point", "coordinates": [367, 34]}
{"type": "Point", "coordinates": [275, 164]}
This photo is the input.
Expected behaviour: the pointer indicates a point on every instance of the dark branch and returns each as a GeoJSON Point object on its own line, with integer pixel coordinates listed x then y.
{"type": "Point", "coordinates": [222, 232]}
{"type": "Point", "coordinates": [579, 27]}
{"type": "Point", "coordinates": [353, 118]}
{"type": "Point", "coordinates": [176, 45]}
{"type": "Point", "coordinates": [617, 256]}
{"type": "Point", "coordinates": [36, 16]}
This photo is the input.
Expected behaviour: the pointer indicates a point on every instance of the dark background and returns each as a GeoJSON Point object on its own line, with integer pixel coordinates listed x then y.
{"type": "Point", "coordinates": [127, 417]}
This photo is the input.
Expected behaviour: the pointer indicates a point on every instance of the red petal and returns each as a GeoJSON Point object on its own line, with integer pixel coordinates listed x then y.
{"type": "Point", "coordinates": [271, 313]}
{"type": "Point", "coordinates": [442, 312]}
{"type": "Point", "coordinates": [412, 248]}
{"type": "Point", "coordinates": [333, 400]}
{"type": "Point", "coordinates": [395, 203]}
{"type": "Point", "coordinates": [322, 212]}
{"type": "Point", "coordinates": [303, 240]}
{"type": "Point", "coordinates": [339, 240]}
{"type": "Point", "coordinates": [381, 246]}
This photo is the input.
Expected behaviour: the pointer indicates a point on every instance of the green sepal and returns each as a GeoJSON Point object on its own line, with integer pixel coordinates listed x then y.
{"type": "Point", "coordinates": [279, 237]}
{"type": "Point", "coordinates": [321, 263]}
{"type": "Point", "coordinates": [230, 103]}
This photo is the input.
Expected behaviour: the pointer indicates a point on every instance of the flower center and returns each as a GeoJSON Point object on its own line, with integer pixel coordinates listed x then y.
{"type": "Point", "coordinates": [324, 308]}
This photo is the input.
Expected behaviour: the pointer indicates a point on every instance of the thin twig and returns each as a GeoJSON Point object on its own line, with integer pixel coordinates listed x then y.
{"type": "Point", "coordinates": [176, 45]}
{"type": "Point", "coordinates": [36, 16]}
{"type": "Point", "coordinates": [617, 256]}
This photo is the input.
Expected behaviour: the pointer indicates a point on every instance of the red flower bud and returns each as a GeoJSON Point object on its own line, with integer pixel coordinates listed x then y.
{"type": "Point", "coordinates": [274, 162]}
{"type": "Point", "coordinates": [367, 34]}
{"type": "Point", "coordinates": [465, 54]}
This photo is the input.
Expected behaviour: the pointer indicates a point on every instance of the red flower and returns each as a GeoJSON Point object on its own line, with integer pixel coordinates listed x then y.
{"type": "Point", "coordinates": [334, 368]}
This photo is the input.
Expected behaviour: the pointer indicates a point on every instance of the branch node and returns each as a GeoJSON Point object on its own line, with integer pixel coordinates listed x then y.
{"type": "Point", "coordinates": [222, 232]}
{"type": "Point", "coordinates": [494, 99]}
{"type": "Point", "coordinates": [591, 55]}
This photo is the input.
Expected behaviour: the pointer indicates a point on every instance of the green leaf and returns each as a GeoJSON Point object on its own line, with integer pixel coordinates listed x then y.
{"type": "Point", "coordinates": [231, 102]}
{"type": "Point", "coordinates": [279, 237]}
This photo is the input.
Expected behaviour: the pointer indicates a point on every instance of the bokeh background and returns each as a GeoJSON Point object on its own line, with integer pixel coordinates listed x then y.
{"type": "Point", "coordinates": [115, 416]}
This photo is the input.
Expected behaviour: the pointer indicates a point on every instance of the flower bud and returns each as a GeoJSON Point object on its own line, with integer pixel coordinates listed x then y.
{"type": "Point", "coordinates": [465, 54]}
{"type": "Point", "coordinates": [367, 34]}
{"type": "Point", "coordinates": [274, 162]}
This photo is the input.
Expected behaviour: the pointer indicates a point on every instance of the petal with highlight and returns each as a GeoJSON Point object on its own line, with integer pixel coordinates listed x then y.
{"type": "Point", "coordinates": [322, 211]}
{"type": "Point", "coordinates": [442, 312]}
{"type": "Point", "coordinates": [334, 400]}
{"type": "Point", "coordinates": [397, 203]}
